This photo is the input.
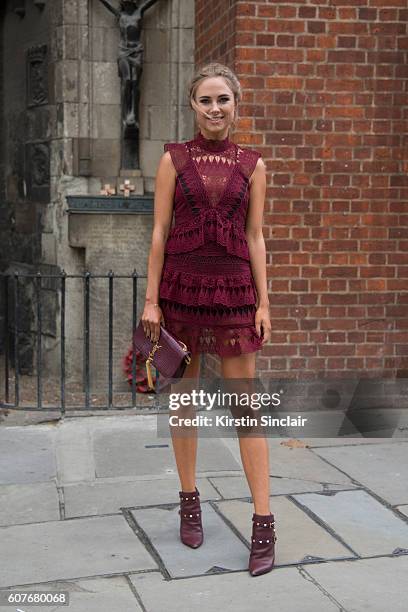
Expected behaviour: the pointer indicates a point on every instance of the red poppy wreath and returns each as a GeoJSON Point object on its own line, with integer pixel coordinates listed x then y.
{"type": "Point", "coordinates": [141, 376]}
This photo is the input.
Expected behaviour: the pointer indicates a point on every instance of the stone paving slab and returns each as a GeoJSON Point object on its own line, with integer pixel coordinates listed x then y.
{"type": "Point", "coordinates": [28, 503]}
{"type": "Point", "coordinates": [26, 455]}
{"type": "Point", "coordinates": [74, 452]}
{"type": "Point", "coordinates": [283, 589]}
{"type": "Point", "coordinates": [237, 486]}
{"type": "Point", "coordinates": [92, 498]}
{"type": "Point", "coordinates": [373, 585]}
{"type": "Point", "coordinates": [349, 441]}
{"type": "Point", "coordinates": [112, 594]}
{"type": "Point", "coordinates": [84, 550]}
{"type": "Point", "coordinates": [304, 464]}
{"type": "Point", "coordinates": [70, 549]}
{"type": "Point", "coordinates": [385, 424]}
{"type": "Point", "coordinates": [221, 547]}
{"type": "Point", "coordinates": [383, 468]}
{"type": "Point", "coordinates": [299, 538]}
{"type": "Point", "coordinates": [403, 509]}
{"type": "Point", "coordinates": [138, 452]}
{"type": "Point", "coordinates": [360, 520]}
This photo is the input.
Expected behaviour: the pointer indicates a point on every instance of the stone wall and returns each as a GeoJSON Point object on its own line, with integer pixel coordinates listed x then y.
{"type": "Point", "coordinates": [120, 243]}
{"type": "Point", "coordinates": [168, 39]}
{"type": "Point", "coordinates": [79, 126]}
{"type": "Point", "coordinates": [28, 123]}
{"type": "Point", "coordinates": [3, 208]}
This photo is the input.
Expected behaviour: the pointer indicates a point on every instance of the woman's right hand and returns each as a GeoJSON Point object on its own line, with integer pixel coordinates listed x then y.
{"type": "Point", "coordinates": [151, 318]}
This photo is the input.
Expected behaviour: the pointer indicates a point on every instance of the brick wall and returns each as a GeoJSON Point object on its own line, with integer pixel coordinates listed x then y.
{"type": "Point", "coordinates": [325, 102]}
{"type": "Point", "coordinates": [215, 30]}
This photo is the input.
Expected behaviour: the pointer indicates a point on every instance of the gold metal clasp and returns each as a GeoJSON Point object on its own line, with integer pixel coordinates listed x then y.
{"type": "Point", "coordinates": [154, 349]}
{"type": "Point", "coordinates": [184, 347]}
{"type": "Point", "coordinates": [156, 346]}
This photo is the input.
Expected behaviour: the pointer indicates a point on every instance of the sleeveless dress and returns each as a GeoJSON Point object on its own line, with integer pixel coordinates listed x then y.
{"type": "Point", "coordinates": [207, 291]}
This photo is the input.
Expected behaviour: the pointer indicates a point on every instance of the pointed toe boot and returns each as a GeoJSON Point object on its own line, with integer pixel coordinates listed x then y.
{"type": "Point", "coordinates": [191, 529]}
{"type": "Point", "coordinates": [262, 557]}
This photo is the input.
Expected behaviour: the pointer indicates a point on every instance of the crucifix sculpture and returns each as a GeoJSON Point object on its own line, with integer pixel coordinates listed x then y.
{"type": "Point", "coordinates": [130, 66]}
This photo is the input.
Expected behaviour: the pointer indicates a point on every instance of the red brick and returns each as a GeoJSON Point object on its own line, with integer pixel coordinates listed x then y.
{"type": "Point", "coordinates": [245, 8]}
{"type": "Point", "coordinates": [252, 25]}
{"type": "Point", "coordinates": [266, 11]}
{"type": "Point", "coordinates": [296, 26]}
{"type": "Point", "coordinates": [307, 12]}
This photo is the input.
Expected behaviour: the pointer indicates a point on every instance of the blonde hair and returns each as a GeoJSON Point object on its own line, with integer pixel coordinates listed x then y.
{"type": "Point", "coordinates": [214, 69]}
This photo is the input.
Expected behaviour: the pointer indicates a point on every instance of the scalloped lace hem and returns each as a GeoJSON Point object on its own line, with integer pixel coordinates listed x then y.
{"type": "Point", "coordinates": [223, 341]}
{"type": "Point", "coordinates": [198, 289]}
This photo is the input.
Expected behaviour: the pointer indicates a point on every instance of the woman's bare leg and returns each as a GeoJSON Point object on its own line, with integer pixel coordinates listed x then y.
{"type": "Point", "coordinates": [185, 440]}
{"type": "Point", "coordinates": [254, 450]}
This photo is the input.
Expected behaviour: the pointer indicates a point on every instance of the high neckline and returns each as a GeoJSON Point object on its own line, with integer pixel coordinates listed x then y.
{"type": "Point", "coordinates": [210, 144]}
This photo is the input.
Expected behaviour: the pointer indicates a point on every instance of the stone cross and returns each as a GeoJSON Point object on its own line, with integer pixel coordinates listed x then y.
{"type": "Point", "coordinates": [108, 190]}
{"type": "Point", "coordinates": [127, 188]}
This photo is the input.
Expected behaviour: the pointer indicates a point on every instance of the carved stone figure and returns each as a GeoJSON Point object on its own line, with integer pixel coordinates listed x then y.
{"type": "Point", "coordinates": [37, 73]}
{"type": "Point", "coordinates": [130, 61]}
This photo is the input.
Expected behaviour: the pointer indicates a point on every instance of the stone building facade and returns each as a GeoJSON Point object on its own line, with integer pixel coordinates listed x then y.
{"type": "Point", "coordinates": [61, 126]}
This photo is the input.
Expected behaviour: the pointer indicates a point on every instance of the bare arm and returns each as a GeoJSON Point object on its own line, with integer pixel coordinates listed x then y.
{"type": "Point", "coordinates": [111, 8]}
{"type": "Point", "coordinates": [146, 5]}
{"type": "Point", "coordinates": [163, 213]}
{"type": "Point", "coordinates": [256, 246]}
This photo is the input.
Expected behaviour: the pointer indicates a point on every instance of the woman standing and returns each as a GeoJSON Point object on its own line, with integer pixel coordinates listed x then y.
{"type": "Point", "coordinates": [207, 280]}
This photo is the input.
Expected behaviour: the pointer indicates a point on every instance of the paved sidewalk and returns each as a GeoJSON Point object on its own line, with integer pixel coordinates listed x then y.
{"type": "Point", "coordinates": [89, 505]}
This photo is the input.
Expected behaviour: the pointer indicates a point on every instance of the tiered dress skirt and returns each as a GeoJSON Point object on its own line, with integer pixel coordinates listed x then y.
{"type": "Point", "coordinates": [208, 299]}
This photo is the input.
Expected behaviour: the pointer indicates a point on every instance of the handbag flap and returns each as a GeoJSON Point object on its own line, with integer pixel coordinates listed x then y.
{"type": "Point", "coordinates": [167, 356]}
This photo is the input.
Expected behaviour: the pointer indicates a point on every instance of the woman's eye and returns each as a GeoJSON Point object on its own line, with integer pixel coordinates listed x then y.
{"type": "Point", "coordinates": [221, 100]}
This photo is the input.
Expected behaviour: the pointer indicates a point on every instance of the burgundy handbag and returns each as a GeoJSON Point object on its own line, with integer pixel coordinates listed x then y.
{"type": "Point", "coordinates": [168, 355]}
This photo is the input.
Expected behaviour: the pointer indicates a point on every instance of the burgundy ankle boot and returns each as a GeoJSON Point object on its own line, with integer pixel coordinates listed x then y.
{"type": "Point", "coordinates": [191, 529]}
{"type": "Point", "coordinates": [263, 540]}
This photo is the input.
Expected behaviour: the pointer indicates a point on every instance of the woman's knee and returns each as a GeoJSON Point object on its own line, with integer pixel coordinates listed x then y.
{"type": "Point", "coordinates": [192, 370]}
{"type": "Point", "coordinates": [238, 366]}
{"type": "Point", "coordinates": [186, 384]}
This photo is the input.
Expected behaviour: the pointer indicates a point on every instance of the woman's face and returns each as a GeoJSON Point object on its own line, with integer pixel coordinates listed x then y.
{"type": "Point", "coordinates": [214, 99]}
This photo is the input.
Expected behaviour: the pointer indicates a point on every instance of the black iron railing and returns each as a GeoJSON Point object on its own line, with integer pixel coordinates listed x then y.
{"type": "Point", "coordinates": [12, 326]}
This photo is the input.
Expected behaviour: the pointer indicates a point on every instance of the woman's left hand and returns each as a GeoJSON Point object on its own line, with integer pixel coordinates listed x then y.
{"type": "Point", "coordinates": [263, 320]}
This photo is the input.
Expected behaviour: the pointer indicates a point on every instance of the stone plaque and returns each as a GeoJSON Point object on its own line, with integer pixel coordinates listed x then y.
{"type": "Point", "coordinates": [37, 76]}
{"type": "Point", "coordinates": [38, 171]}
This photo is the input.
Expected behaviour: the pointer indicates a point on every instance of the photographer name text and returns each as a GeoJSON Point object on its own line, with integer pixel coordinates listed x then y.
{"type": "Point", "coordinates": [202, 420]}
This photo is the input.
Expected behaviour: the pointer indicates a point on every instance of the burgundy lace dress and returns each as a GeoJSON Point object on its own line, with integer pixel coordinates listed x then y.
{"type": "Point", "coordinates": [207, 292]}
